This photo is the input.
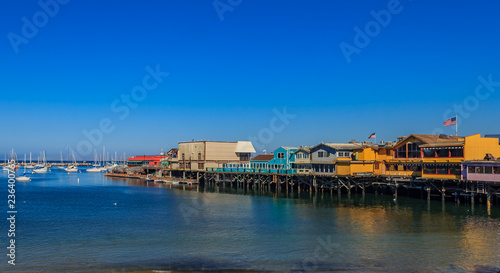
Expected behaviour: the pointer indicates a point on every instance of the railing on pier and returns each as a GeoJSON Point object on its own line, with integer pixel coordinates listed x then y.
{"type": "Point", "coordinates": [251, 170]}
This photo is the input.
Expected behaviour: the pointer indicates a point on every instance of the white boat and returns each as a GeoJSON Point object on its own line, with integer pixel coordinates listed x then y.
{"type": "Point", "coordinates": [24, 178]}
{"type": "Point", "coordinates": [94, 170]}
{"type": "Point", "coordinates": [96, 167]}
{"type": "Point", "coordinates": [30, 166]}
{"type": "Point", "coordinates": [71, 168]}
{"type": "Point", "coordinates": [40, 169]}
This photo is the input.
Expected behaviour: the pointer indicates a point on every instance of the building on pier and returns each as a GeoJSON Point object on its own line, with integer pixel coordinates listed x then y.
{"type": "Point", "coordinates": [369, 159]}
{"type": "Point", "coordinates": [302, 164]}
{"type": "Point", "coordinates": [283, 158]}
{"type": "Point", "coordinates": [438, 156]}
{"type": "Point", "coordinates": [332, 158]}
{"type": "Point", "coordinates": [149, 160]}
{"type": "Point", "coordinates": [171, 161]}
{"type": "Point", "coordinates": [487, 170]}
{"type": "Point", "coordinates": [199, 155]}
{"type": "Point", "coordinates": [261, 161]}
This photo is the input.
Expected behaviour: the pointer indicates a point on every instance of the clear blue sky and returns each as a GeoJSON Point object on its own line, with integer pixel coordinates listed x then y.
{"type": "Point", "coordinates": [226, 76]}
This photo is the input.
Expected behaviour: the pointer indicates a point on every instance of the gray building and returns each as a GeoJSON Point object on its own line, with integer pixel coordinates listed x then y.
{"type": "Point", "coordinates": [324, 156]}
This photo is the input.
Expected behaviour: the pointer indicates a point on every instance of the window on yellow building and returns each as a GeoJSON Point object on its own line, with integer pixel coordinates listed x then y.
{"type": "Point", "coordinates": [377, 166]}
{"type": "Point", "coordinates": [442, 170]}
{"type": "Point", "coordinates": [457, 152]}
{"type": "Point", "coordinates": [429, 169]}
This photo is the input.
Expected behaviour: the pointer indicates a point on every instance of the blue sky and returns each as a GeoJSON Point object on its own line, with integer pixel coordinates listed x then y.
{"type": "Point", "coordinates": [226, 76]}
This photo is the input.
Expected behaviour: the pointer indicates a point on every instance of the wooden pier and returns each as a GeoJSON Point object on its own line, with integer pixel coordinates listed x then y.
{"type": "Point", "coordinates": [445, 190]}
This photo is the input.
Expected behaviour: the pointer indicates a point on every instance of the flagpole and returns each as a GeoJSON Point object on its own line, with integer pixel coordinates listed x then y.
{"type": "Point", "coordinates": [456, 125]}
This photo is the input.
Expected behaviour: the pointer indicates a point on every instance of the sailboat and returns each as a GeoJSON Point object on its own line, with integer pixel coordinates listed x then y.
{"type": "Point", "coordinates": [96, 167]}
{"type": "Point", "coordinates": [62, 163]}
{"type": "Point", "coordinates": [72, 167]}
{"type": "Point", "coordinates": [30, 166]}
{"type": "Point", "coordinates": [41, 168]}
{"type": "Point", "coordinates": [5, 165]}
{"type": "Point", "coordinates": [24, 178]}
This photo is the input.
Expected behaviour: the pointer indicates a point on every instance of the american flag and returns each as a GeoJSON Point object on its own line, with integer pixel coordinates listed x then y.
{"type": "Point", "coordinates": [451, 121]}
{"type": "Point", "coordinates": [372, 136]}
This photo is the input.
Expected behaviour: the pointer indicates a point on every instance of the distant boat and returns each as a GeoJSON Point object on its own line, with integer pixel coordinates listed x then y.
{"type": "Point", "coordinates": [72, 167]}
{"type": "Point", "coordinates": [30, 166]}
{"type": "Point", "coordinates": [41, 168]}
{"type": "Point", "coordinates": [94, 170]}
{"type": "Point", "coordinates": [24, 178]}
{"type": "Point", "coordinates": [97, 166]}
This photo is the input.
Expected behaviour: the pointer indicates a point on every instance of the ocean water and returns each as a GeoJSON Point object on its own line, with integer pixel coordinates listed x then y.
{"type": "Point", "coordinates": [84, 222]}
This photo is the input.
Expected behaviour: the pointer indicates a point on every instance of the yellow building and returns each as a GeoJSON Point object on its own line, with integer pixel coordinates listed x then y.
{"type": "Point", "coordinates": [438, 156]}
{"type": "Point", "coordinates": [369, 159]}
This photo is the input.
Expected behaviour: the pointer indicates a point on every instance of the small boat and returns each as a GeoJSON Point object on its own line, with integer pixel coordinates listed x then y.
{"type": "Point", "coordinates": [40, 169]}
{"type": "Point", "coordinates": [30, 166]}
{"type": "Point", "coordinates": [94, 170]}
{"type": "Point", "coordinates": [71, 168]}
{"type": "Point", "coordinates": [159, 181]}
{"type": "Point", "coordinates": [24, 178]}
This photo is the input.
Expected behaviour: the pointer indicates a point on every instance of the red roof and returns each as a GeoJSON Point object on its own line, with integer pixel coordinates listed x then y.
{"type": "Point", "coordinates": [263, 157]}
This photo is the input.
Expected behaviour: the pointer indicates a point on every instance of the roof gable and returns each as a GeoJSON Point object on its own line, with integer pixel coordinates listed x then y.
{"type": "Point", "coordinates": [436, 140]}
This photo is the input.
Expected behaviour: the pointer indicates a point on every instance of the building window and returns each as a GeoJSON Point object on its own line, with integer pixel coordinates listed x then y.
{"type": "Point", "coordinates": [471, 169]}
{"type": "Point", "coordinates": [442, 170]}
{"type": "Point", "coordinates": [199, 156]}
{"type": "Point", "coordinates": [341, 154]}
{"type": "Point", "coordinates": [443, 153]}
{"type": "Point", "coordinates": [457, 152]}
{"type": "Point", "coordinates": [401, 152]}
{"type": "Point", "coordinates": [281, 155]}
{"type": "Point", "coordinates": [320, 154]}
{"type": "Point", "coordinates": [414, 150]}
{"type": "Point", "coordinates": [429, 153]}
{"type": "Point", "coordinates": [201, 166]}
{"type": "Point", "coordinates": [479, 169]}
{"type": "Point", "coordinates": [455, 169]}
{"type": "Point", "coordinates": [376, 166]}
{"type": "Point", "coordinates": [182, 156]}
{"type": "Point", "coordinates": [488, 169]}
{"type": "Point", "coordinates": [429, 169]}
{"type": "Point", "coordinates": [327, 154]}
{"type": "Point", "coordinates": [496, 170]}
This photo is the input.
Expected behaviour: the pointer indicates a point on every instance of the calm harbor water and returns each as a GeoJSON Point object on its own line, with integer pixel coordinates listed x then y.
{"type": "Point", "coordinates": [84, 222]}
